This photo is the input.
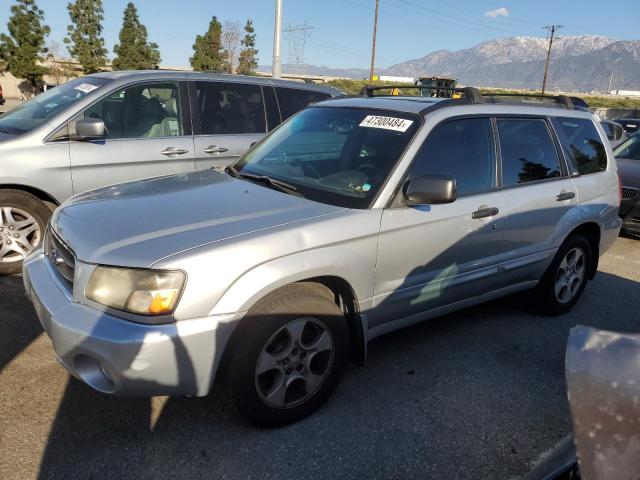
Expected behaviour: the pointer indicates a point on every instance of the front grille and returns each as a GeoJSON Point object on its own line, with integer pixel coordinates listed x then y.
{"type": "Point", "coordinates": [61, 257]}
{"type": "Point", "coordinates": [629, 192]}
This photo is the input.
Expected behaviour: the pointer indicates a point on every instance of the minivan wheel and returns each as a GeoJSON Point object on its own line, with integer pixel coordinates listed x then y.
{"type": "Point", "coordinates": [287, 355]}
{"type": "Point", "coordinates": [23, 218]}
{"type": "Point", "coordinates": [566, 278]}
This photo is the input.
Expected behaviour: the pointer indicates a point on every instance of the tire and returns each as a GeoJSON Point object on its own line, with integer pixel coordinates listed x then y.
{"type": "Point", "coordinates": [23, 219]}
{"type": "Point", "coordinates": [297, 375]}
{"type": "Point", "coordinates": [561, 288]}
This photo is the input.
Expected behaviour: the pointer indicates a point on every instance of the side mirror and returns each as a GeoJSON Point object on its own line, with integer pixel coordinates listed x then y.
{"type": "Point", "coordinates": [90, 128]}
{"type": "Point", "coordinates": [430, 189]}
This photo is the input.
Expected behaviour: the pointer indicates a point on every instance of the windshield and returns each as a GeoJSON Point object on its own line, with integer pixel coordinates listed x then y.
{"type": "Point", "coordinates": [41, 108]}
{"type": "Point", "coordinates": [629, 149]}
{"type": "Point", "coordinates": [339, 156]}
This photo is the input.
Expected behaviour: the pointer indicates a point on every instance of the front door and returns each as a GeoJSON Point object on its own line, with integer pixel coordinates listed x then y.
{"type": "Point", "coordinates": [228, 118]}
{"type": "Point", "coordinates": [434, 255]}
{"type": "Point", "coordinates": [146, 136]}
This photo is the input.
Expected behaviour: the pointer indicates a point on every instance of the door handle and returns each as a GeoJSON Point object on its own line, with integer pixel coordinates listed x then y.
{"type": "Point", "coordinates": [214, 149]}
{"type": "Point", "coordinates": [485, 212]}
{"type": "Point", "coordinates": [173, 151]}
{"type": "Point", "coordinates": [565, 195]}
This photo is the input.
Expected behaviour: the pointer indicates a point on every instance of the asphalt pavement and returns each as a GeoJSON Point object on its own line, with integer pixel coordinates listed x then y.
{"type": "Point", "coordinates": [475, 394]}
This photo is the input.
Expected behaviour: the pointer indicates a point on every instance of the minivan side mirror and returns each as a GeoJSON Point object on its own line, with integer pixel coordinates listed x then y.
{"type": "Point", "coordinates": [90, 128]}
{"type": "Point", "coordinates": [430, 189]}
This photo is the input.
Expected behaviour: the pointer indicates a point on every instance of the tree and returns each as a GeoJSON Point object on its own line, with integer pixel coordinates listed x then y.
{"type": "Point", "coordinates": [231, 32]}
{"type": "Point", "coordinates": [60, 68]}
{"type": "Point", "coordinates": [208, 54]}
{"type": "Point", "coordinates": [247, 61]}
{"type": "Point", "coordinates": [134, 51]}
{"type": "Point", "coordinates": [21, 52]}
{"type": "Point", "coordinates": [84, 39]}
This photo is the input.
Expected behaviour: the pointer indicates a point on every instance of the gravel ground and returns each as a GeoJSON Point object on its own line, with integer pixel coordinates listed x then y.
{"type": "Point", "coordinates": [476, 394]}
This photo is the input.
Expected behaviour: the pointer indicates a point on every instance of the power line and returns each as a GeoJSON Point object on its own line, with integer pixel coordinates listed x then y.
{"type": "Point", "coordinates": [552, 30]}
{"type": "Point", "coordinates": [297, 36]}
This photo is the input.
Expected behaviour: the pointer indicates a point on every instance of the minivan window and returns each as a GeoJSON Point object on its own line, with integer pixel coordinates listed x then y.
{"type": "Point", "coordinates": [140, 111]}
{"type": "Point", "coordinates": [582, 144]}
{"type": "Point", "coordinates": [462, 149]}
{"type": "Point", "coordinates": [292, 100]}
{"type": "Point", "coordinates": [629, 149]}
{"type": "Point", "coordinates": [230, 108]}
{"type": "Point", "coordinates": [528, 152]}
{"type": "Point", "coordinates": [41, 108]}
{"type": "Point", "coordinates": [339, 156]}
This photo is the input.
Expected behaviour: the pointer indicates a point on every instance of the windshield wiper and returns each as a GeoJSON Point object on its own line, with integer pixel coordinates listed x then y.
{"type": "Point", "coordinates": [272, 182]}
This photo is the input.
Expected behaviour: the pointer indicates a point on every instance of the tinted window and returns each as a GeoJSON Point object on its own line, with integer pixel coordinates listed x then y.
{"type": "Point", "coordinates": [140, 111]}
{"type": "Point", "coordinates": [629, 149]}
{"type": "Point", "coordinates": [609, 130]}
{"type": "Point", "coordinates": [528, 153]}
{"type": "Point", "coordinates": [271, 105]}
{"type": "Point", "coordinates": [462, 149]}
{"type": "Point", "coordinates": [292, 100]}
{"type": "Point", "coordinates": [582, 144]}
{"type": "Point", "coordinates": [230, 108]}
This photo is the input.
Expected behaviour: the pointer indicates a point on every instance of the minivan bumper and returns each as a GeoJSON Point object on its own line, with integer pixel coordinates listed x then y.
{"type": "Point", "coordinates": [121, 357]}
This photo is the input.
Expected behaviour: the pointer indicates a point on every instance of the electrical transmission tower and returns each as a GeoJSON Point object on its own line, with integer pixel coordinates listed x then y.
{"type": "Point", "coordinates": [297, 36]}
{"type": "Point", "coordinates": [552, 30]}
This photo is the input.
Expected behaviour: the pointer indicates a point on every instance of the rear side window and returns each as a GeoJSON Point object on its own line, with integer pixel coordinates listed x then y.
{"type": "Point", "coordinates": [528, 152]}
{"type": "Point", "coordinates": [292, 100]}
{"type": "Point", "coordinates": [582, 144]}
{"type": "Point", "coordinates": [271, 105]}
{"type": "Point", "coordinates": [462, 149]}
{"type": "Point", "coordinates": [230, 108]}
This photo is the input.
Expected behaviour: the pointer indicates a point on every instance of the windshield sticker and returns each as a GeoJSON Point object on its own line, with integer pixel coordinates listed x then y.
{"type": "Point", "coordinates": [387, 123]}
{"type": "Point", "coordinates": [366, 187]}
{"type": "Point", "coordinates": [86, 88]}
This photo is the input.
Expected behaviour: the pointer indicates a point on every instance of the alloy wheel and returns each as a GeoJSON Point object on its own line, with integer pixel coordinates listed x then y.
{"type": "Point", "coordinates": [19, 233]}
{"type": "Point", "coordinates": [570, 275]}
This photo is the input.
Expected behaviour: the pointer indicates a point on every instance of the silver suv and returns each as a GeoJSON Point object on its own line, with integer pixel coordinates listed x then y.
{"type": "Point", "coordinates": [114, 127]}
{"type": "Point", "coordinates": [354, 218]}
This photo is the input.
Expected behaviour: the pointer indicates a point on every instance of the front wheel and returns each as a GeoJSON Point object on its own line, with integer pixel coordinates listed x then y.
{"type": "Point", "coordinates": [566, 278]}
{"type": "Point", "coordinates": [23, 218]}
{"type": "Point", "coordinates": [287, 355]}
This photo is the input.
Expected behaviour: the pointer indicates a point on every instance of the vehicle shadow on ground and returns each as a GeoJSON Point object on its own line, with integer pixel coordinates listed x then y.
{"type": "Point", "coordinates": [477, 387]}
{"type": "Point", "coordinates": [18, 323]}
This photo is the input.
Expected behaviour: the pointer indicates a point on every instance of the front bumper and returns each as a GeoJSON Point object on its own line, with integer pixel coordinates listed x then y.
{"type": "Point", "coordinates": [121, 357]}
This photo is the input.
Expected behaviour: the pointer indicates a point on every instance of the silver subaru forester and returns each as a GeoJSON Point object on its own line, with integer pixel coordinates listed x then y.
{"type": "Point", "coordinates": [354, 218]}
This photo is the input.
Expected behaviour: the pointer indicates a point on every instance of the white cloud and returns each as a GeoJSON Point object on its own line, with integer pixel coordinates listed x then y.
{"type": "Point", "coordinates": [498, 12]}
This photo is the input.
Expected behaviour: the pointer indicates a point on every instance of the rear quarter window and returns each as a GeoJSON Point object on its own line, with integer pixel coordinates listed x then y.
{"type": "Point", "coordinates": [292, 100]}
{"type": "Point", "coordinates": [581, 144]}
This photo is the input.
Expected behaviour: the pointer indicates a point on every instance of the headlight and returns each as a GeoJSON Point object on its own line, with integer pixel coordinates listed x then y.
{"type": "Point", "coordinates": [138, 291]}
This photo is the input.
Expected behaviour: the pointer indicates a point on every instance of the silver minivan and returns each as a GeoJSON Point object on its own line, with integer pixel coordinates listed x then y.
{"type": "Point", "coordinates": [113, 127]}
{"type": "Point", "coordinates": [354, 218]}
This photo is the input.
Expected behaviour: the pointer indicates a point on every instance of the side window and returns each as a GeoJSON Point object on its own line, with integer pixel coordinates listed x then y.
{"type": "Point", "coordinates": [292, 100]}
{"type": "Point", "coordinates": [609, 130]}
{"type": "Point", "coordinates": [462, 149]}
{"type": "Point", "coordinates": [140, 111]}
{"type": "Point", "coordinates": [619, 131]}
{"type": "Point", "coordinates": [582, 144]}
{"type": "Point", "coordinates": [528, 152]}
{"type": "Point", "coordinates": [230, 108]}
{"type": "Point", "coordinates": [271, 105]}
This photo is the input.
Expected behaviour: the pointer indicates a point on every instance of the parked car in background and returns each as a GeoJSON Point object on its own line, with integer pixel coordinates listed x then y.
{"type": "Point", "coordinates": [1, 96]}
{"type": "Point", "coordinates": [628, 160]}
{"type": "Point", "coordinates": [615, 132]}
{"type": "Point", "coordinates": [114, 127]}
{"type": "Point", "coordinates": [355, 218]}
{"type": "Point", "coordinates": [630, 125]}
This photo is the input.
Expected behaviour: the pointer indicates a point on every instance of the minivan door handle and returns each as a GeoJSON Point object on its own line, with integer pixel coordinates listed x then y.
{"type": "Point", "coordinates": [173, 151]}
{"type": "Point", "coordinates": [485, 212]}
{"type": "Point", "coordinates": [565, 195]}
{"type": "Point", "coordinates": [211, 149]}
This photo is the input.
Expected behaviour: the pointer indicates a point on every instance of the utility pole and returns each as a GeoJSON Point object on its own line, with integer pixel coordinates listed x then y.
{"type": "Point", "coordinates": [276, 68]}
{"type": "Point", "coordinates": [373, 46]}
{"type": "Point", "coordinates": [552, 29]}
{"type": "Point", "coordinates": [297, 37]}
{"type": "Point", "coordinates": [610, 81]}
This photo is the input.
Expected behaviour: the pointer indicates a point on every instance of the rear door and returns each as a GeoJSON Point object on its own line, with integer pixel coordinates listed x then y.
{"type": "Point", "coordinates": [148, 133]}
{"type": "Point", "coordinates": [228, 118]}
{"type": "Point", "coordinates": [541, 199]}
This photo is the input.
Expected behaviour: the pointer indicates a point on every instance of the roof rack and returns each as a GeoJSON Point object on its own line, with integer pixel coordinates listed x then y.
{"type": "Point", "coordinates": [474, 96]}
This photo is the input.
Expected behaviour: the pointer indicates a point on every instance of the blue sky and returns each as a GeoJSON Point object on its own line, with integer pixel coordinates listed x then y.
{"type": "Point", "coordinates": [342, 28]}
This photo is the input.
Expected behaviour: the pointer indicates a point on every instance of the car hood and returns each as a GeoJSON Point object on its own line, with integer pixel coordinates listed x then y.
{"type": "Point", "coordinates": [138, 223]}
{"type": "Point", "coordinates": [629, 171]}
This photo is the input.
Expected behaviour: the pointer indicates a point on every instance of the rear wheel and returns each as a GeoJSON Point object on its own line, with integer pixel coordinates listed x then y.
{"type": "Point", "coordinates": [287, 355]}
{"type": "Point", "coordinates": [566, 278]}
{"type": "Point", "coordinates": [23, 218]}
